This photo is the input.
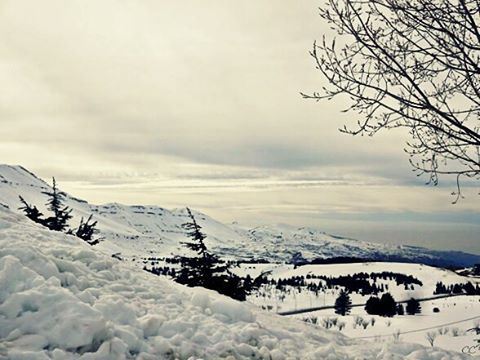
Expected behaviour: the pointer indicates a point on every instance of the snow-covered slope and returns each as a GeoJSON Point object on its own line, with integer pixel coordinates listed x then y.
{"type": "Point", "coordinates": [299, 297]}
{"type": "Point", "coordinates": [313, 243]}
{"type": "Point", "coordinates": [151, 231]}
{"type": "Point", "coordinates": [136, 231]}
{"type": "Point", "coordinates": [61, 299]}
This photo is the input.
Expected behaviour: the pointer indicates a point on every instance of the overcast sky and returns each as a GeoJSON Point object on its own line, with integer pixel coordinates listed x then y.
{"type": "Point", "coordinates": [197, 103]}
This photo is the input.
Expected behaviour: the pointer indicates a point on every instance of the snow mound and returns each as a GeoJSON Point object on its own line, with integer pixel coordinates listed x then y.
{"type": "Point", "coordinates": [61, 299]}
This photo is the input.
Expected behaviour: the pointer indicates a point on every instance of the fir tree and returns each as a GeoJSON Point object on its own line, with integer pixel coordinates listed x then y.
{"type": "Point", "coordinates": [372, 306]}
{"type": "Point", "coordinates": [440, 288]}
{"type": "Point", "coordinates": [86, 231]}
{"type": "Point", "coordinates": [388, 305]}
{"type": "Point", "coordinates": [31, 211]}
{"type": "Point", "coordinates": [469, 288]}
{"type": "Point", "coordinates": [413, 307]}
{"type": "Point", "coordinates": [400, 310]}
{"type": "Point", "coordinates": [385, 306]}
{"type": "Point", "coordinates": [201, 269]}
{"type": "Point", "coordinates": [206, 269]}
{"type": "Point", "coordinates": [343, 303]}
{"type": "Point", "coordinates": [61, 213]}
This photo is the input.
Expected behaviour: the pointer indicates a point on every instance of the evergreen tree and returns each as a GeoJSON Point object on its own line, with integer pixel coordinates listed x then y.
{"type": "Point", "coordinates": [372, 306]}
{"type": "Point", "coordinates": [343, 304]}
{"type": "Point", "coordinates": [440, 288]}
{"type": "Point", "coordinates": [413, 307]}
{"type": "Point", "coordinates": [86, 231]}
{"type": "Point", "coordinates": [469, 288]}
{"type": "Point", "coordinates": [457, 289]}
{"type": "Point", "coordinates": [198, 270]}
{"type": "Point", "coordinates": [388, 305]}
{"type": "Point", "coordinates": [400, 310]}
{"type": "Point", "coordinates": [61, 213]}
{"type": "Point", "coordinates": [206, 269]}
{"type": "Point", "coordinates": [31, 211]}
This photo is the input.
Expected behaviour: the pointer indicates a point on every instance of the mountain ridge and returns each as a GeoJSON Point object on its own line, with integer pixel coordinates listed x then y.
{"type": "Point", "coordinates": [142, 231]}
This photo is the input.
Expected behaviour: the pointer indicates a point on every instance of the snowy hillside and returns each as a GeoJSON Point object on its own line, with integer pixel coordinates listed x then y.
{"type": "Point", "coordinates": [295, 298]}
{"type": "Point", "coordinates": [139, 232]}
{"type": "Point", "coordinates": [62, 299]}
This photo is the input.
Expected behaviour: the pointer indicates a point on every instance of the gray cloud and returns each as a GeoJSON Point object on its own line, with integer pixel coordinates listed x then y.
{"type": "Point", "coordinates": [171, 102]}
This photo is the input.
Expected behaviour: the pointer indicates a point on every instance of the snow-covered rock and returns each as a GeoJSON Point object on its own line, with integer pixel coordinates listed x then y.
{"type": "Point", "coordinates": [61, 299]}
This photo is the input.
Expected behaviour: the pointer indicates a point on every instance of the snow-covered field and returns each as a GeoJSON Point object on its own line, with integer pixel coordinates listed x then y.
{"type": "Point", "coordinates": [61, 299]}
{"type": "Point", "coordinates": [450, 326]}
{"type": "Point", "coordinates": [292, 299]}
{"type": "Point", "coordinates": [456, 315]}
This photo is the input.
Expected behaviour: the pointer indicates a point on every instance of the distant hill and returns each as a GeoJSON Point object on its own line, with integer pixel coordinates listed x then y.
{"type": "Point", "coordinates": [140, 231]}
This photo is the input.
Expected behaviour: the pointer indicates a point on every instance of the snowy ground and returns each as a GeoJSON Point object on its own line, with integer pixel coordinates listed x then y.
{"type": "Point", "coordinates": [138, 232]}
{"type": "Point", "coordinates": [450, 326]}
{"type": "Point", "coordinates": [61, 299]}
{"type": "Point", "coordinates": [278, 301]}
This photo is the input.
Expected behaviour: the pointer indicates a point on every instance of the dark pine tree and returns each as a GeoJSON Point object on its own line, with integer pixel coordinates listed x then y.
{"type": "Point", "coordinates": [343, 303]}
{"type": "Point", "coordinates": [413, 307]}
{"type": "Point", "coordinates": [61, 213]}
{"type": "Point", "coordinates": [201, 269]}
{"type": "Point", "coordinates": [31, 211]}
{"type": "Point", "coordinates": [372, 306]}
{"type": "Point", "coordinates": [400, 310]}
{"type": "Point", "coordinates": [440, 288]}
{"type": "Point", "coordinates": [206, 269]}
{"type": "Point", "coordinates": [86, 231]}
{"type": "Point", "coordinates": [388, 305]}
{"type": "Point", "coordinates": [469, 288]}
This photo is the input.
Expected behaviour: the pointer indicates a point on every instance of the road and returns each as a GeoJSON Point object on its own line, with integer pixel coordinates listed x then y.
{"type": "Point", "coordinates": [326, 307]}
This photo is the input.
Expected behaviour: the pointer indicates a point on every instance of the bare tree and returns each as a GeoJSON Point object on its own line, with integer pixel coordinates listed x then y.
{"type": "Point", "coordinates": [431, 336]}
{"type": "Point", "coordinates": [414, 65]}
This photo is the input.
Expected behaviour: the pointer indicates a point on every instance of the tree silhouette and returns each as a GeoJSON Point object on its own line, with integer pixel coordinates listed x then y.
{"type": "Point", "coordinates": [388, 305]}
{"type": "Point", "coordinates": [413, 307]}
{"type": "Point", "coordinates": [61, 213]}
{"type": "Point", "coordinates": [412, 65]}
{"type": "Point", "coordinates": [31, 211]}
{"type": "Point", "coordinates": [86, 231]}
{"type": "Point", "coordinates": [206, 269]}
{"type": "Point", "coordinates": [385, 306]}
{"type": "Point", "coordinates": [343, 303]}
{"type": "Point", "coordinates": [372, 306]}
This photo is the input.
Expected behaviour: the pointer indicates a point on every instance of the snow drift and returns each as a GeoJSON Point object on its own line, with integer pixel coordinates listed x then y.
{"type": "Point", "coordinates": [61, 299]}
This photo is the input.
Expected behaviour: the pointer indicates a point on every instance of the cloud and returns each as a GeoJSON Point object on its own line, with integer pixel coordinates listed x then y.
{"type": "Point", "coordinates": [191, 102]}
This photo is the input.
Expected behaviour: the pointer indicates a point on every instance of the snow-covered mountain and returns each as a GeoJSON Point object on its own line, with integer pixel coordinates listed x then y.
{"type": "Point", "coordinates": [139, 232]}
{"type": "Point", "coordinates": [62, 299]}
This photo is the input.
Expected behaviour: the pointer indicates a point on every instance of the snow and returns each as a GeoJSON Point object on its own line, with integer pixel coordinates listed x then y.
{"type": "Point", "coordinates": [456, 316]}
{"type": "Point", "coordinates": [269, 297]}
{"type": "Point", "coordinates": [140, 232]}
{"type": "Point", "coordinates": [61, 299]}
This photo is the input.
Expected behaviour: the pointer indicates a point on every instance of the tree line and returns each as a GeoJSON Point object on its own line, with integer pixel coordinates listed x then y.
{"type": "Point", "coordinates": [459, 288]}
{"type": "Point", "coordinates": [356, 283]}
